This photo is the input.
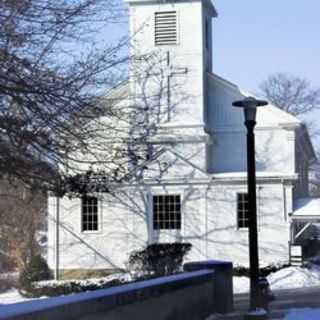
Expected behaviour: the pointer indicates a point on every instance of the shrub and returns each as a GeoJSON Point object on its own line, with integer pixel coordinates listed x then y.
{"type": "Point", "coordinates": [159, 259]}
{"type": "Point", "coordinates": [264, 272]}
{"type": "Point", "coordinates": [36, 270]}
{"type": "Point", "coordinates": [57, 288]}
{"type": "Point", "coordinates": [241, 271]}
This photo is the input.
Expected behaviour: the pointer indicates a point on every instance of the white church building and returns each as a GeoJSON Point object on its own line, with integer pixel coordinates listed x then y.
{"type": "Point", "coordinates": [200, 193]}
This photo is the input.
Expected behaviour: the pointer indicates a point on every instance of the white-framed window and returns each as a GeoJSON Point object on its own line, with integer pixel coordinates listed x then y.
{"type": "Point", "coordinates": [89, 212]}
{"type": "Point", "coordinates": [242, 210]}
{"type": "Point", "coordinates": [165, 28]}
{"type": "Point", "coordinates": [167, 212]}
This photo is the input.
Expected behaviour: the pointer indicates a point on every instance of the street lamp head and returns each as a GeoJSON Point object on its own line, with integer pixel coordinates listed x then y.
{"type": "Point", "coordinates": [250, 105]}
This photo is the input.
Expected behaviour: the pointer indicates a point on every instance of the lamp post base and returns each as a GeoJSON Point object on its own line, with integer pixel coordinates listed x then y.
{"type": "Point", "coordinates": [259, 314]}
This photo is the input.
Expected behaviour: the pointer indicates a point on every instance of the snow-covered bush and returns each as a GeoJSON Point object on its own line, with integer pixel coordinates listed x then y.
{"type": "Point", "coordinates": [54, 288]}
{"type": "Point", "coordinates": [57, 288]}
{"type": "Point", "coordinates": [158, 259]}
{"type": "Point", "coordinates": [240, 271]}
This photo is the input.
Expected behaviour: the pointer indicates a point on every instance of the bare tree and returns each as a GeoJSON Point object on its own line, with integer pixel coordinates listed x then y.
{"type": "Point", "coordinates": [291, 94]}
{"type": "Point", "coordinates": [22, 214]}
{"type": "Point", "coordinates": [66, 109]}
{"type": "Point", "coordinates": [295, 95]}
{"type": "Point", "coordinates": [52, 69]}
{"type": "Point", "coordinates": [117, 145]}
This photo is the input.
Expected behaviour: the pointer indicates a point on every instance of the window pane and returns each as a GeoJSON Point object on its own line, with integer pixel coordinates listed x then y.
{"type": "Point", "coordinates": [89, 213]}
{"type": "Point", "coordinates": [242, 210]}
{"type": "Point", "coordinates": [168, 214]}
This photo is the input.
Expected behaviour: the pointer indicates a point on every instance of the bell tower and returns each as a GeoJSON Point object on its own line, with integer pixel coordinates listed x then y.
{"type": "Point", "coordinates": [171, 53]}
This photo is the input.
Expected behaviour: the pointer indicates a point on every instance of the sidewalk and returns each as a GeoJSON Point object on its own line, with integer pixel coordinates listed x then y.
{"type": "Point", "coordinates": [285, 300]}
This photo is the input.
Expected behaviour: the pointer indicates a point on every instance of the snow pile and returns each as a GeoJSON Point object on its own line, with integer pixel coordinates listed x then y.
{"type": "Point", "coordinates": [241, 284]}
{"type": "Point", "coordinates": [287, 278]}
{"type": "Point", "coordinates": [303, 314]}
{"type": "Point", "coordinates": [13, 296]}
{"type": "Point", "coordinates": [294, 277]}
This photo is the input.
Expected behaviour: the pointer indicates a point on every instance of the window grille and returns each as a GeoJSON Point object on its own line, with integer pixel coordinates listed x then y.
{"type": "Point", "coordinates": [89, 214]}
{"type": "Point", "coordinates": [166, 212]}
{"type": "Point", "coordinates": [243, 212]}
{"type": "Point", "coordinates": [165, 28]}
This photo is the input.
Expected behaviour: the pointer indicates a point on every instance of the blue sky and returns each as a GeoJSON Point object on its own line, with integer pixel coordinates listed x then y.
{"type": "Point", "coordinates": [253, 39]}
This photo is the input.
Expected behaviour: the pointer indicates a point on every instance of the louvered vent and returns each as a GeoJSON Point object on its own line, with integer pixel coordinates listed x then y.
{"type": "Point", "coordinates": [165, 28]}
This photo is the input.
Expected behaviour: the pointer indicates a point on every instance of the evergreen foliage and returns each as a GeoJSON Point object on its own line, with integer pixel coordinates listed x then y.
{"type": "Point", "coordinates": [241, 271]}
{"type": "Point", "coordinates": [159, 259]}
{"type": "Point", "coordinates": [58, 288]}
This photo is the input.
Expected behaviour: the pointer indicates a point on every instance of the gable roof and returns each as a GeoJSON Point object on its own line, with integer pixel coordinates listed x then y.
{"type": "Point", "coordinates": [269, 115]}
{"type": "Point", "coordinates": [306, 207]}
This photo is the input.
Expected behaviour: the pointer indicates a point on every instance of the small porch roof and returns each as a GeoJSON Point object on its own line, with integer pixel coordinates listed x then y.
{"type": "Point", "coordinates": [306, 208]}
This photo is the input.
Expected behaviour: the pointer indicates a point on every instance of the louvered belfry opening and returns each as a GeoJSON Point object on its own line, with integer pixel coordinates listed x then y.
{"type": "Point", "coordinates": [165, 28]}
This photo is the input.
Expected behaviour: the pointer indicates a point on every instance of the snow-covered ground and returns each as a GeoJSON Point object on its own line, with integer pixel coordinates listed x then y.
{"type": "Point", "coordinates": [287, 278]}
{"type": "Point", "coordinates": [12, 296]}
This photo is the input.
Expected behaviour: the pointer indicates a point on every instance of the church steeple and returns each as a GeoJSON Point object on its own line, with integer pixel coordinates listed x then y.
{"type": "Point", "coordinates": [176, 36]}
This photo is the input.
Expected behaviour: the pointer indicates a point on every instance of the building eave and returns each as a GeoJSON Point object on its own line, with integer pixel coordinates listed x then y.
{"type": "Point", "coordinates": [213, 179]}
{"type": "Point", "coordinates": [260, 177]}
{"type": "Point", "coordinates": [208, 3]}
{"type": "Point", "coordinates": [286, 120]}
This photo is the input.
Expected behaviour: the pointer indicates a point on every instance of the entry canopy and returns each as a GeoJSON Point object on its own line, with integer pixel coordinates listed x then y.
{"type": "Point", "coordinates": [306, 207]}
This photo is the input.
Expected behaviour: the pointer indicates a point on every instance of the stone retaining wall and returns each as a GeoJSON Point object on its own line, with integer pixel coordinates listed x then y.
{"type": "Point", "coordinates": [189, 296]}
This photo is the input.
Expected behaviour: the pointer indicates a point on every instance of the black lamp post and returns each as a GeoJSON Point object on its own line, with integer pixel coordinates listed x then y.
{"type": "Point", "coordinates": [250, 109]}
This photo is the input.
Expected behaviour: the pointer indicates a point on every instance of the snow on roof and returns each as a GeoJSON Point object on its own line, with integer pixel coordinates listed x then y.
{"type": "Point", "coordinates": [268, 115]}
{"type": "Point", "coordinates": [306, 207]}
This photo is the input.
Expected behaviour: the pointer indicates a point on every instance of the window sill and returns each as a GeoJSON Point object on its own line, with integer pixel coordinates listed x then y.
{"type": "Point", "coordinates": [173, 230]}
{"type": "Point", "coordinates": [91, 232]}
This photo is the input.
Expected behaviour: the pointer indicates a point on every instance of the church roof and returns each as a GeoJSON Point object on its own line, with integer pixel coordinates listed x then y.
{"type": "Point", "coordinates": [306, 207]}
{"type": "Point", "coordinates": [267, 116]}
{"type": "Point", "coordinates": [206, 2]}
